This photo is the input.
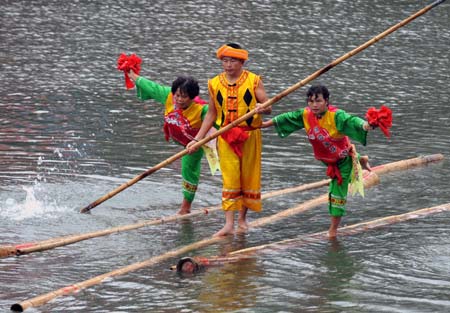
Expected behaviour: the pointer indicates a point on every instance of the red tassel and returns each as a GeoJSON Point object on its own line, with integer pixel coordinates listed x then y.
{"type": "Point", "coordinates": [126, 63]}
{"type": "Point", "coordinates": [380, 118]}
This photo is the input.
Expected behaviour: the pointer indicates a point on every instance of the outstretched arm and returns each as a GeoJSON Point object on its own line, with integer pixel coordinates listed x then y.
{"type": "Point", "coordinates": [266, 124]}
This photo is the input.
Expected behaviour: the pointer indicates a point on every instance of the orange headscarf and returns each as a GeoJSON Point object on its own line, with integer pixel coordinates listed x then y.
{"type": "Point", "coordinates": [227, 51]}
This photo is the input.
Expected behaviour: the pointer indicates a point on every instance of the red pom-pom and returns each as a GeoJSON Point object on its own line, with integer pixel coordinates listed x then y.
{"type": "Point", "coordinates": [380, 118]}
{"type": "Point", "coordinates": [126, 63]}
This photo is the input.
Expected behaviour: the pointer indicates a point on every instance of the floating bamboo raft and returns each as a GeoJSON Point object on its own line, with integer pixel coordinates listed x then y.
{"type": "Point", "coordinates": [369, 181]}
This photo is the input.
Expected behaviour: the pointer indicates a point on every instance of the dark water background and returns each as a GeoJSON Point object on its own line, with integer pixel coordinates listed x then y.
{"type": "Point", "coordinates": [70, 132]}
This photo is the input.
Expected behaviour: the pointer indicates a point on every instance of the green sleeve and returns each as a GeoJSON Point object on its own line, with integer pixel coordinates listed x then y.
{"type": "Point", "coordinates": [147, 89]}
{"type": "Point", "coordinates": [286, 123]}
{"type": "Point", "coordinates": [351, 126]}
{"type": "Point", "coordinates": [204, 111]}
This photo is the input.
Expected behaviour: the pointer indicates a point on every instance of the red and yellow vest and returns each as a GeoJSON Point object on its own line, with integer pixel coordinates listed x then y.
{"type": "Point", "coordinates": [329, 145]}
{"type": "Point", "coordinates": [182, 125]}
{"type": "Point", "coordinates": [233, 101]}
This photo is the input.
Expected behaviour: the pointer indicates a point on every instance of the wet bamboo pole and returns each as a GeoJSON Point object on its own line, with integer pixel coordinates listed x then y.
{"type": "Point", "coordinates": [244, 254]}
{"type": "Point", "coordinates": [370, 180]}
{"type": "Point", "coordinates": [343, 231]}
{"type": "Point", "coordinates": [268, 103]}
{"type": "Point", "coordinates": [25, 248]}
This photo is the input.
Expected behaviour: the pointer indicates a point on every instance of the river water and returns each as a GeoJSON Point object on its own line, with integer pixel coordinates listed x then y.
{"type": "Point", "coordinates": [70, 133]}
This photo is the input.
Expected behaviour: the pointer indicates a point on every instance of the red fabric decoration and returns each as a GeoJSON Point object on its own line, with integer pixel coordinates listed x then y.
{"type": "Point", "coordinates": [380, 118]}
{"type": "Point", "coordinates": [199, 100]}
{"type": "Point", "coordinates": [236, 137]}
{"type": "Point", "coordinates": [334, 172]}
{"type": "Point", "coordinates": [126, 63]}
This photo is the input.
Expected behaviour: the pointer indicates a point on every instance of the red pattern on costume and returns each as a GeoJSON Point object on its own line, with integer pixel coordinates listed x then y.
{"type": "Point", "coordinates": [327, 149]}
{"type": "Point", "coordinates": [178, 127]}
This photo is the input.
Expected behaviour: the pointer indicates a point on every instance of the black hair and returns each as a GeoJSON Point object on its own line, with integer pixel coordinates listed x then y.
{"type": "Point", "coordinates": [234, 45]}
{"type": "Point", "coordinates": [316, 90]}
{"type": "Point", "coordinates": [187, 85]}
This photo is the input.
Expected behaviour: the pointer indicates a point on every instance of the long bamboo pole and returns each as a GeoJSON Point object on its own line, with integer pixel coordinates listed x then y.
{"type": "Point", "coordinates": [244, 254]}
{"type": "Point", "coordinates": [370, 180]}
{"type": "Point", "coordinates": [343, 231]}
{"type": "Point", "coordinates": [268, 103]}
{"type": "Point", "coordinates": [26, 248]}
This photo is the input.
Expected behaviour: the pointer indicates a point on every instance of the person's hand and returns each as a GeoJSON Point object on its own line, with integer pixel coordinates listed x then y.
{"type": "Point", "coordinates": [263, 110]}
{"type": "Point", "coordinates": [189, 147]}
{"type": "Point", "coordinates": [367, 126]}
{"type": "Point", "coordinates": [133, 75]}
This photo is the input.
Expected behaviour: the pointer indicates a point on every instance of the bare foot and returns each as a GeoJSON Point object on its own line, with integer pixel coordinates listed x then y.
{"type": "Point", "coordinates": [364, 161]}
{"type": "Point", "coordinates": [242, 219]}
{"type": "Point", "coordinates": [185, 208]}
{"type": "Point", "coordinates": [332, 231]}
{"type": "Point", "coordinates": [242, 224]}
{"type": "Point", "coordinates": [226, 230]}
{"type": "Point", "coordinates": [332, 234]}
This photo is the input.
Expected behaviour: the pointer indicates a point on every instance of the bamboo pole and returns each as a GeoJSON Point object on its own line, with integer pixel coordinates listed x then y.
{"type": "Point", "coordinates": [243, 254]}
{"type": "Point", "coordinates": [343, 231]}
{"type": "Point", "coordinates": [369, 181]}
{"type": "Point", "coordinates": [25, 248]}
{"type": "Point", "coordinates": [268, 103]}
{"type": "Point", "coordinates": [30, 247]}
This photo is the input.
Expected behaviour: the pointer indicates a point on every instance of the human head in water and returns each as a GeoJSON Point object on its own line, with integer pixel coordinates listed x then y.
{"type": "Point", "coordinates": [184, 90]}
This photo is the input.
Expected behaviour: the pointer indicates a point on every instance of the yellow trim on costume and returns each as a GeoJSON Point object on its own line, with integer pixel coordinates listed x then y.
{"type": "Point", "coordinates": [227, 51]}
{"type": "Point", "coordinates": [327, 121]}
{"type": "Point", "coordinates": [192, 113]}
{"type": "Point", "coordinates": [233, 98]}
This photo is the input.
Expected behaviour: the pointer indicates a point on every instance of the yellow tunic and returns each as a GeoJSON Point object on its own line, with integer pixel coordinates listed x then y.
{"type": "Point", "coordinates": [241, 176]}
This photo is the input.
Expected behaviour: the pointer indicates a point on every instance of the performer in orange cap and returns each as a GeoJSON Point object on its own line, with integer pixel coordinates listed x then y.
{"type": "Point", "coordinates": [232, 94]}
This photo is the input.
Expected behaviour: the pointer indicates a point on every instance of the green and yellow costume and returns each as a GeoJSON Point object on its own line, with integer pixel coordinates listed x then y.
{"type": "Point", "coordinates": [194, 114]}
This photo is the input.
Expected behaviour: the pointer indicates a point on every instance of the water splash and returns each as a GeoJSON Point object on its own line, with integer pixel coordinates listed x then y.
{"type": "Point", "coordinates": [35, 205]}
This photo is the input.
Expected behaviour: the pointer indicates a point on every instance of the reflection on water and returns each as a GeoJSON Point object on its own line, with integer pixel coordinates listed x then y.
{"type": "Point", "coordinates": [230, 288]}
{"type": "Point", "coordinates": [70, 133]}
{"type": "Point", "coordinates": [338, 271]}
